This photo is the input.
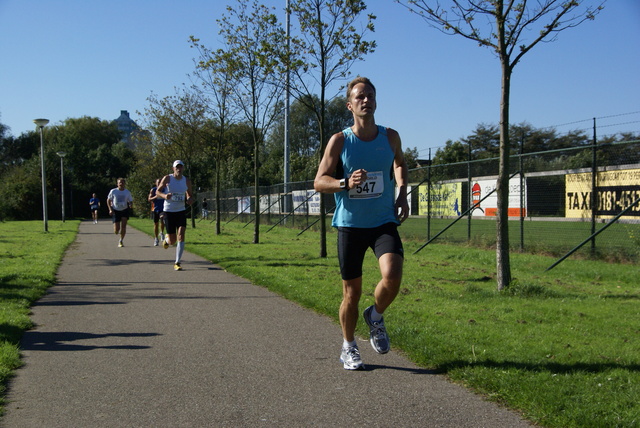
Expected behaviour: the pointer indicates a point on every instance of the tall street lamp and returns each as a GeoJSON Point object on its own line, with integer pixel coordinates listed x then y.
{"type": "Point", "coordinates": [41, 123]}
{"type": "Point", "coordinates": [62, 155]}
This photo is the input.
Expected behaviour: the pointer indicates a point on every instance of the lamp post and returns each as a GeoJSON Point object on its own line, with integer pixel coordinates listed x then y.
{"type": "Point", "coordinates": [41, 123]}
{"type": "Point", "coordinates": [62, 155]}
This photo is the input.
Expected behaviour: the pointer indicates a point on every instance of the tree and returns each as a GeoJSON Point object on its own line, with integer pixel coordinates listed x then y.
{"type": "Point", "coordinates": [503, 26]}
{"type": "Point", "coordinates": [255, 43]}
{"type": "Point", "coordinates": [329, 44]}
{"type": "Point", "coordinates": [95, 158]}
{"type": "Point", "coordinates": [179, 126]}
{"type": "Point", "coordinates": [216, 84]}
{"type": "Point", "coordinates": [15, 151]}
{"type": "Point", "coordinates": [305, 140]}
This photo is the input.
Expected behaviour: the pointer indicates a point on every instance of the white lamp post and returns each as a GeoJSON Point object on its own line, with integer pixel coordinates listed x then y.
{"type": "Point", "coordinates": [62, 155]}
{"type": "Point", "coordinates": [41, 123]}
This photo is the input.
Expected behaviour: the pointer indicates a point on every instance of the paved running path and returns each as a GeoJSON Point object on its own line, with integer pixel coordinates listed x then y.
{"type": "Point", "coordinates": [124, 341]}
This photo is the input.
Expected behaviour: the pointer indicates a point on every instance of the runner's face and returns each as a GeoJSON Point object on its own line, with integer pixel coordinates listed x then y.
{"type": "Point", "coordinates": [362, 100]}
{"type": "Point", "coordinates": [121, 184]}
{"type": "Point", "coordinates": [177, 170]}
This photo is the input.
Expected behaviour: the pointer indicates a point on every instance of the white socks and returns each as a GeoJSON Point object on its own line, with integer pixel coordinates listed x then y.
{"type": "Point", "coordinates": [179, 251]}
{"type": "Point", "coordinates": [346, 344]}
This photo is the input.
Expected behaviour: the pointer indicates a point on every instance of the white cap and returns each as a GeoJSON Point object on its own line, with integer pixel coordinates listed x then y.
{"type": "Point", "coordinates": [178, 162]}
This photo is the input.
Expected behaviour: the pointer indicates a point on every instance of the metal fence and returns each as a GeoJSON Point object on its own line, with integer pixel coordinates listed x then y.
{"type": "Point", "coordinates": [558, 200]}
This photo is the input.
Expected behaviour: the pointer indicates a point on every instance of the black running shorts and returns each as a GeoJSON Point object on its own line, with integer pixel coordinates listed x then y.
{"type": "Point", "coordinates": [353, 243]}
{"type": "Point", "coordinates": [174, 220]}
{"type": "Point", "coordinates": [117, 216]}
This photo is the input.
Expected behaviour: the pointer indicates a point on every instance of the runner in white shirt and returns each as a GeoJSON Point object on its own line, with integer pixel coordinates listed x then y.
{"type": "Point", "coordinates": [120, 203]}
{"type": "Point", "coordinates": [175, 189]}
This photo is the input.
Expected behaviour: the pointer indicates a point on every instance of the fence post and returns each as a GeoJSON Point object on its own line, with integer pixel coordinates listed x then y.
{"type": "Point", "coordinates": [469, 200]}
{"type": "Point", "coordinates": [594, 195]}
{"type": "Point", "coordinates": [522, 199]}
{"type": "Point", "coordinates": [428, 197]}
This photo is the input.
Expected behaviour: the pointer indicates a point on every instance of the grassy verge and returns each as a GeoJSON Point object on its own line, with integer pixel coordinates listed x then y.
{"type": "Point", "coordinates": [563, 347]}
{"type": "Point", "coordinates": [29, 260]}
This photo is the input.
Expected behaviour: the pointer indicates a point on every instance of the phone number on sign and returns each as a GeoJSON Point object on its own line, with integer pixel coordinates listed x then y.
{"type": "Point", "coordinates": [614, 200]}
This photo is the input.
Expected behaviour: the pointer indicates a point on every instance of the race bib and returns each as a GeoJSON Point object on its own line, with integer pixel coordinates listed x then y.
{"type": "Point", "coordinates": [372, 188]}
{"type": "Point", "coordinates": [177, 197]}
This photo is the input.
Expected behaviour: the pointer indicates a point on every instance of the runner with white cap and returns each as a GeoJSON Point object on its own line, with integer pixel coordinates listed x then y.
{"type": "Point", "coordinates": [175, 189]}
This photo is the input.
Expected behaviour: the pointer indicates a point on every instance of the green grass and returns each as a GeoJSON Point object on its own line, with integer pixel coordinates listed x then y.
{"type": "Point", "coordinates": [619, 242]}
{"type": "Point", "coordinates": [562, 347]}
{"type": "Point", "coordinates": [29, 260]}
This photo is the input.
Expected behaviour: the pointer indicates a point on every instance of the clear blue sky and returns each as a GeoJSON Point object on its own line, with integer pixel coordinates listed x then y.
{"type": "Point", "coordinates": [74, 58]}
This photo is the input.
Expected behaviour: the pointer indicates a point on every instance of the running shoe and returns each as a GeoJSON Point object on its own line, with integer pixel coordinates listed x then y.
{"type": "Point", "coordinates": [155, 242]}
{"type": "Point", "coordinates": [177, 266]}
{"type": "Point", "coordinates": [350, 357]}
{"type": "Point", "coordinates": [377, 333]}
{"type": "Point", "coordinates": [165, 244]}
{"type": "Point", "coordinates": [161, 236]}
{"type": "Point", "coordinates": [120, 244]}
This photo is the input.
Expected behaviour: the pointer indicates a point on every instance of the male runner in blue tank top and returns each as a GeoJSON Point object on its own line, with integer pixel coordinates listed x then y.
{"type": "Point", "coordinates": [362, 166]}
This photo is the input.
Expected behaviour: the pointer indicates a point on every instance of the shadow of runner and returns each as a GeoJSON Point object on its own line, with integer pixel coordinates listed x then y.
{"type": "Point", "coordinates": [46, 341]}
{"type": "Point", "coordinates": [419, 371]}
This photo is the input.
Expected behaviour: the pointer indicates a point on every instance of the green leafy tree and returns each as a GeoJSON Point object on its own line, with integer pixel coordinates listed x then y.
{"type": "Point", "coordinates": [216, 82]}
{"type": "Point", "coordinates": [504, 27]}
{"type": "Point", "coordinates": [179, 124]}
{"type": "Point", "coordinates": [304, 135]}
{"type": "Point", "coordinates": [239, 157]}
{"type": "Point", "coordinates": [14, 151]}
{"type": "Point", "coordinates": [95, 157]}
{"type": "Point", "coordinates": [329, 44]}
{"type": "Point", "coordinates": [254, 45]}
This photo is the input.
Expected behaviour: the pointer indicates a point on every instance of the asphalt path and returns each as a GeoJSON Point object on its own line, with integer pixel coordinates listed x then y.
{"type": "Point", "coordinates": [122, 340]}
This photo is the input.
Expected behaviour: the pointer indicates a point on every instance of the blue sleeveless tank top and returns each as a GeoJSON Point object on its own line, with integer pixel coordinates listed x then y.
{"type": "Point", "coordinates": [372, 203]}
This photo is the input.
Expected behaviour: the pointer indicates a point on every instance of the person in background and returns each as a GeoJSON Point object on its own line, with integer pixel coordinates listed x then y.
{"type": "Point", "coordinates": [205, 209]}
{"type": "Point", "coordinates": [120, 203]}
{"type": "Point", "coordinates": [362, 166]}
{"type": "Point", "coordinates": [94, 203]}
{"type": "Point", "coordinates": [157, 205]}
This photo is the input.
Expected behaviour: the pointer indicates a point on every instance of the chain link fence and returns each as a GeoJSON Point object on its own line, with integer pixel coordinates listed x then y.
{"type": "Point", "coordinates": [559, 200]}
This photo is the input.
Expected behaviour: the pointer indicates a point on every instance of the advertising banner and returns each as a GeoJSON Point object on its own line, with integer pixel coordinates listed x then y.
{"type": "Point", "coordinates": [489, 207]}
{"type": "Point", "coordinates": [615, 191]}
{"type": "Point", "coordinates": [300, 202]}
{"type": "Point", "coordinates": [270, 203]}
{"type": "Point", "coordinates": [244, 204]}
{"type": "Point", "coordinates": [314, 202]}
{"type": "Point", "coordinates": [446, 199]}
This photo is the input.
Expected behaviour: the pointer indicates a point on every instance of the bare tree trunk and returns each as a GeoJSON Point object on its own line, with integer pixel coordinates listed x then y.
{"type": "Point", "coordinates": [323, 205]}
{"type": "Point", "coordinates": [503, 262]}
{"type": "Point", "coordinates": [218, 231]}
{"type": "Point", "coordinates": [256, 166]}
{"type": "Point", "coordinates": [323, 227]}
{"type": "Point", "coordinates": [193, 214]}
